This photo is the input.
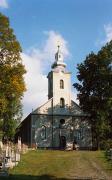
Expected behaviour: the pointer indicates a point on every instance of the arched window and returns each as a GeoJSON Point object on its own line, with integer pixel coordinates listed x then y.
{"type": "Point", "coordinates": [43, 132]}
{"type": "Point", "coordinates": [62, 102]}
{"type": "Point", "coordinates": [62, 121]}
{"type": "Point", "coordinates": [61, 84]}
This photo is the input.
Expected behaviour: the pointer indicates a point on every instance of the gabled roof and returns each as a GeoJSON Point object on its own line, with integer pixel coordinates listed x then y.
{"type": "Point", "coordinates": [76, 110]}
{"type": "Point", "coordinates": [47, 108]}
{"type": "Point", "coordinates": [43, 108]}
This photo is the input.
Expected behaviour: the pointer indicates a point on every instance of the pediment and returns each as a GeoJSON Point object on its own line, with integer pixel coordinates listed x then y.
{"type": "Point", "coordinates": [75, 109]}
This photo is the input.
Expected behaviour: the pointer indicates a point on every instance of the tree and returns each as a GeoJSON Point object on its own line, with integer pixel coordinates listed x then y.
{"type": "Point", "coordinates": [95, 92]}
{"type": "Point", "coordinates": [12, 83]}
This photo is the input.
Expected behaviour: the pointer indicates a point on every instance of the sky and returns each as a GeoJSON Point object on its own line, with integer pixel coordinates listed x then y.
{"type": "Point", "coordinates": [78, 26]}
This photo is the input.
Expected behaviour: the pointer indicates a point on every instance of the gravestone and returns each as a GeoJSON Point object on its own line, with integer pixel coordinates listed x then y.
{"type": "Point", "coordinates": [19, 144]}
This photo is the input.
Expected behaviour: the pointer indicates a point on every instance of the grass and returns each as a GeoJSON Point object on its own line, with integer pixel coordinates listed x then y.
{"type": "Point", "coordinates": [48, 164]}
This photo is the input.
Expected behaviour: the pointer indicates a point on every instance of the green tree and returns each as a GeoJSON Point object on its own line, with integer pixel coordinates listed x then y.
{"type": "Point", "coordinates": [95, 92]}
{"type": "Point", "coordinates": [12, 84]}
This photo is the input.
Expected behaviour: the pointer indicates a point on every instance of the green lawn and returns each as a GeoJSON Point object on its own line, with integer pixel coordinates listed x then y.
{"type": "Point", "coordinates": [46, 164]}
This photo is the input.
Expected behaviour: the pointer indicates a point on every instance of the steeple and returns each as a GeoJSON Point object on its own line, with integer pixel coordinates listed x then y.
{"type": "Point", "coordinates": [58, 63]}
{"type": "Point", "coordinates": [58, 55]}
{"type": "Point", "coordinates": [59, 82]}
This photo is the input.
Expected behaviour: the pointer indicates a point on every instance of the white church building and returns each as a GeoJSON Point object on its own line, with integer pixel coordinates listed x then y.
{"type": "Point", "coordinates": [59, 120]}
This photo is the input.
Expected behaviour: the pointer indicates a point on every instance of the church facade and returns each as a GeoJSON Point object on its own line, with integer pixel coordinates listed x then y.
{"type": "Point", "coordinates": [60, 120]}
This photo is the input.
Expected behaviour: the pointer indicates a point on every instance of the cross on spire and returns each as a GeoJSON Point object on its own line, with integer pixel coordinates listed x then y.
{"type": "Point", "coordinates": [58, 47]}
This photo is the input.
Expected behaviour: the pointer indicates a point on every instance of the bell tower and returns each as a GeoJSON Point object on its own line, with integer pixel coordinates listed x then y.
{"type": "Point", "coordinates": [59, 82]}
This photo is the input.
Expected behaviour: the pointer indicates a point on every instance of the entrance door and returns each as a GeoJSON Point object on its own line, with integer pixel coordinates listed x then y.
{"type": "Point", "coordinates": [62, 142]}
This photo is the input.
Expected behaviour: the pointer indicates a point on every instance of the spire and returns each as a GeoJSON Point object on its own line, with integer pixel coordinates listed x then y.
{"type": "Point", "coordinates": [59, 55]}
{"type": "Point", "coordinates": [58, 48]}
{"type": "Point", "coordinates": [58, 60]}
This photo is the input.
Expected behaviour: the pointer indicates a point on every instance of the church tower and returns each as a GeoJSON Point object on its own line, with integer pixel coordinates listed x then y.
{"type": "Point", "coordinates": [59, 82]}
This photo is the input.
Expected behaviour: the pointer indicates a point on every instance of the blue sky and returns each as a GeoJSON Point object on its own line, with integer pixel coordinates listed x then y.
{"type": "Point", "coordinates": [82, 26]}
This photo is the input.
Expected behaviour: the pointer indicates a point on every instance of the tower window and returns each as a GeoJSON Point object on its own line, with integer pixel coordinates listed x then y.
{"type": "Point", "coordinates": [43, 132]}
{"type": "Point", "coordinates": [61, 84]}
{"type": "Point", "coordinates": [62, 102]}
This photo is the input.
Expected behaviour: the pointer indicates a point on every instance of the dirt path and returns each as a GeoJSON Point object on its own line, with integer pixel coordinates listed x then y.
{"type": "Point", "coordinates": [86, 167]}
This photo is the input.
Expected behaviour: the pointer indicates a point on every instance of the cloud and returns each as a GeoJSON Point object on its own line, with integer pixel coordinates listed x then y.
{"type": "Point", "coordinates": [36, 83]}
{"type": "Point", "coordinates": [52, 42]}
{"type": "Point", "coordinates": [36, 62]}
{"type": "Point", "coordinates": [107, 35]}
{"type": "Point", "coordinates": [3, 3]}
{"type": "Point", "coordinates": [108, 32]}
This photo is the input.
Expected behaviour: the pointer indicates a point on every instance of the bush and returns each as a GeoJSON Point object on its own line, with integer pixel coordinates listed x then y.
{"type": "Point", "coordinates": [106, 144]}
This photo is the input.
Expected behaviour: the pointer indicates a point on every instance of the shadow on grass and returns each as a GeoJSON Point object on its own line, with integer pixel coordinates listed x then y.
{"type": "Point", "coordinates": [42, 177]}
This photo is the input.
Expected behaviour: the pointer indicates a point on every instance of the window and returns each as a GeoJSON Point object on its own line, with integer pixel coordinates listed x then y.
{"type": "Point", "coordinates": [62, 121]}
{"type": "Point", "coordinates": [43, 132]}
{"type": "Point", "coordinates": [78, 135]}
{"type": "Point", "coordinates": [61, 84]}
{"type": "Point", "coordinates": [62, 103]}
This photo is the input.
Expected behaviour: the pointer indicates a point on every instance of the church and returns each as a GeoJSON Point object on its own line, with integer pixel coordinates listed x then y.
{"type": "Point", "coordinates": [59, 120]}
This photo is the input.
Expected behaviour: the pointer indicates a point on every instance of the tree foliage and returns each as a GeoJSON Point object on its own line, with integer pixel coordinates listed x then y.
{"type": "Point", "coordinates": [95, 91]}
{"type": "Point", "coordinates": [12, 83]}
